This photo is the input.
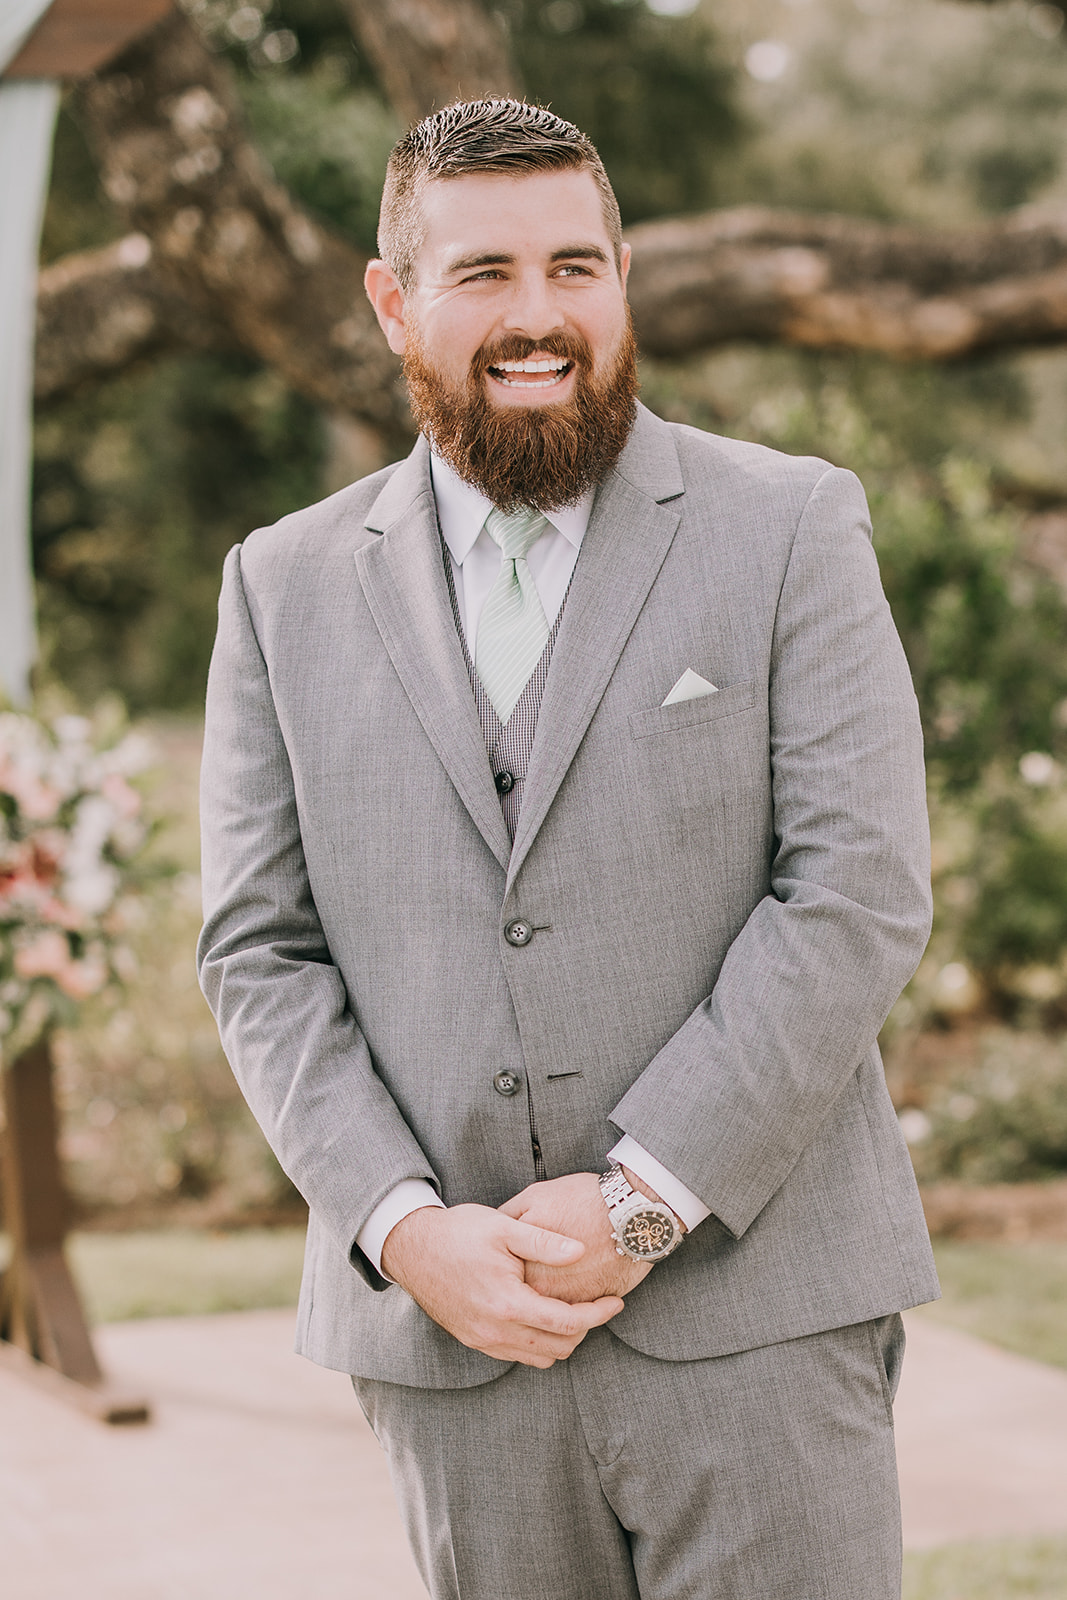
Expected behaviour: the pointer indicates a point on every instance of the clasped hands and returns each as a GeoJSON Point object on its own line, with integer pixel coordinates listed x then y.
{"type": "Point", "coordinates": [525, 1283]}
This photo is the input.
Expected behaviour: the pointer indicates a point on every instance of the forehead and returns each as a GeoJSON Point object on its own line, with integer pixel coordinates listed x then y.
{"type": "Point", "coordinates": [528, 216]}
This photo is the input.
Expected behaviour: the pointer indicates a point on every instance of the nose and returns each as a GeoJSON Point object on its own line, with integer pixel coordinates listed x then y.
{"type": "Point", "coordinates": [533, 308]}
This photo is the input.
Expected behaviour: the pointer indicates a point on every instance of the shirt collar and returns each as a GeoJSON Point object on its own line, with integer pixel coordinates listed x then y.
{"type": "Point", "coordinates": [462, 510]}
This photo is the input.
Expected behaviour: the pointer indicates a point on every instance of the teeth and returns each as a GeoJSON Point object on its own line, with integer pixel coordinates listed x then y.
{"type": "Point", "coordinates": [545, 383]}
{"type": "Point", "coordinates": [556, 364]}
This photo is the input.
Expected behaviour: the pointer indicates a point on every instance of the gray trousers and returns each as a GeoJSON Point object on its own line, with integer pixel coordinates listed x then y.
{"type": "Point", "coordinates": [768, 1475]}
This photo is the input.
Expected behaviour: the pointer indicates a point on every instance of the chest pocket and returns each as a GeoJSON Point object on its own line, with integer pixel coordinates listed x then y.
{"type": "Point", "coordinates": [727, 702]}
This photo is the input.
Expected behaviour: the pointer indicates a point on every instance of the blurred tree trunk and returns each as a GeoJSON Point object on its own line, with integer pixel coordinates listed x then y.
{"type": "Point", "coordinates": [175, 158]}
{"type": "Point", "coordinates": [428, 53]}
{"type": "Point", "coordinates": [223, 256]}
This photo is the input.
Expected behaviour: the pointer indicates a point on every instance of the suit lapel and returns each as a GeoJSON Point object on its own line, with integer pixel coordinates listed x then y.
{"type": "Point", "coordinates": [629, 534]}
{"type": "Point", "coordinates": [404, 582]}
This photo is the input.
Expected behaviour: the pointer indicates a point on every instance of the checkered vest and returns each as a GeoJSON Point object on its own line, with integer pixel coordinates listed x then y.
{"type": "Point", "coordinates": [509, 743]}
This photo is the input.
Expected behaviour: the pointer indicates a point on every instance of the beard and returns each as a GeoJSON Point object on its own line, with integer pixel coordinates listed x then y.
{"type": "Point", "coordinates": [542, 456]}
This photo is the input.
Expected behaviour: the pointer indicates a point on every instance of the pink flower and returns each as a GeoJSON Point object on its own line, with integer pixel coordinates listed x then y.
{"type": "Point", "coordinates": [44, 955]}
{"type": "Point", "coordinates": [80, 979]}
{"type": "Point", "coordinates": [124, 798]}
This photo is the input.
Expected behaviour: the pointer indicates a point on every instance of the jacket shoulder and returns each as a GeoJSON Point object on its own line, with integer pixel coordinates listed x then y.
{"type": "Point", "coordinates": [714, 457]}
{"type": "Point", "coordinates": [314, 535]}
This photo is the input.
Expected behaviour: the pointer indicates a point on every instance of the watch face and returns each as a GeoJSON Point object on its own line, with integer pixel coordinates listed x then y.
{"type": "Point", "coordinates": [648, 1233]}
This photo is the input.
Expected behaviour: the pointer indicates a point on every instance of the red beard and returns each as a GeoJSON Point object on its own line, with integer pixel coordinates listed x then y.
{"type": "Point", "coordinates": [540, 456]}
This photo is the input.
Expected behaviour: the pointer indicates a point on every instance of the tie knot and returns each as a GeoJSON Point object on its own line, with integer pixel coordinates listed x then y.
{"type": "Point", "coordinates": [515, 532]}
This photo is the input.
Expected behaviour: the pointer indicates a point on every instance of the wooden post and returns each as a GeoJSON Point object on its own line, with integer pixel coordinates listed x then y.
{"type": "Point", "coordinates": [43, 1331]}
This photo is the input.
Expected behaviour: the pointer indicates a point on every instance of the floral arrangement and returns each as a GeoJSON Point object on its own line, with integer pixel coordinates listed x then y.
{"type": "Point", "coordinates": [72, 832]}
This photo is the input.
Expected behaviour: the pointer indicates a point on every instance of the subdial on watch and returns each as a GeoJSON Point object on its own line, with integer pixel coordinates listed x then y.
{"type": "Point", "coordinates": [647, 1233]}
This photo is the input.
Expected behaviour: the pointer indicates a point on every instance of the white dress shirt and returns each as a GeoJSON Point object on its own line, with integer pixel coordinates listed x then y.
{"type": "Point", "coordinates": [475, 558]}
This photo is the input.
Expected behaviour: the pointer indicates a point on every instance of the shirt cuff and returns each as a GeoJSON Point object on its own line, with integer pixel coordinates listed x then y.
{"type": "Point", "coordinates": [628, 1153]}
{"type": "Point", "coordinates": [409, 1195]}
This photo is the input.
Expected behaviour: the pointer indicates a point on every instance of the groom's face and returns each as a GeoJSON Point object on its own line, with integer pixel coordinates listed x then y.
{"type": "Point", "coordinates": [517, 264]}
{"type": "Point", "coordinates": [516, 334]}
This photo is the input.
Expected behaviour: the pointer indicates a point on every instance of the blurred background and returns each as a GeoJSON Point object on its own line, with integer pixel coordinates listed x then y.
{"type": "Point", "coordinates": [866, 259]}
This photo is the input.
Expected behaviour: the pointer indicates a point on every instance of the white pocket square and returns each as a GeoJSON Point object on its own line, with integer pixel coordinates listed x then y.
{"type": "Point", "coordinates": [690, 686]}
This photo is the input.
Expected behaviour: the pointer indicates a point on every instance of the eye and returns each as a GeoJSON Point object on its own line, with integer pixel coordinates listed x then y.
{"type": "Point", "coordinates": [571, 269]}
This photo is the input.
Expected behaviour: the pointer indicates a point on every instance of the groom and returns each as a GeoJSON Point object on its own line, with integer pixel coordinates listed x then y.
{"type": "Point", "coordinates": [564, 850]}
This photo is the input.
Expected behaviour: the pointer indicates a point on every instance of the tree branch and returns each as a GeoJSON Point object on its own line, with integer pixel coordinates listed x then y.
{"type": "Point", "coordinates": [848, 283]}
{"type": "Point", "coordinates": [101, 310]}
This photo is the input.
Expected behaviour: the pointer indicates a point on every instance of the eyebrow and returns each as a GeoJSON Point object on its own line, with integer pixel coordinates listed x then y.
{"type": "Point", "coordinates": [573, 252]}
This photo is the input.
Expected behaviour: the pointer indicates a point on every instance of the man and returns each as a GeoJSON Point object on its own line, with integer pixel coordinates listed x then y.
{"type": "Point", "coordinates": [563, 782]}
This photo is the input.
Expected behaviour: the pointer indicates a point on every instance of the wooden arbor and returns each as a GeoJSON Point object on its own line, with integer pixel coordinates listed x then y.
{"type": "Point", "coordinates": [43, 1330]}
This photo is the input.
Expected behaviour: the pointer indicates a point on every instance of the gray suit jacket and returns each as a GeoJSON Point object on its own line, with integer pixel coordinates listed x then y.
{"type": "Point", "coordinates": [727, 893]}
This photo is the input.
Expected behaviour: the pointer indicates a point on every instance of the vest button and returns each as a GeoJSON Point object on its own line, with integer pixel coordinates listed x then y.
{"type": "Point", "coordinates": [518, 933]}
{"type": "Point", "coordinates": [507, 1083]}
{"type": "Point", "coordinates": [505, 782]}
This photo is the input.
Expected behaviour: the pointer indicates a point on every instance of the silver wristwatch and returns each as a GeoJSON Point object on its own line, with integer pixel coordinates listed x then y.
{"type": "Point", "coordinates": [644, 1229]}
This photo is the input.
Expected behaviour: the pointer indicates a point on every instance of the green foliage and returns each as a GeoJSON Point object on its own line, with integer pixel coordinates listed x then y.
{"type": "Point", "coordinates": [1006, 1121]}
{"type": "Point", "coordinates": [920, 109]}
{"type": "Point", "coordinates": [983, 638]}
{"type": "Point", "coordinates": [77, 213]}
{"type": "Point", "coordinates": [139, 491]}
{"type": "Point", "coordinates": [1018, 925]}
{"type": "Point", "coordinates": [328, 143]}
{"type": "Point", "coordinates": [654, 93]}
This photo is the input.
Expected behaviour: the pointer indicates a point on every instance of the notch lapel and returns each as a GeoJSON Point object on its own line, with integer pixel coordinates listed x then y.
{"type": "Point", "coordinates": [625, 544]}
{"type": "Point", "coordinates": [403, 579]}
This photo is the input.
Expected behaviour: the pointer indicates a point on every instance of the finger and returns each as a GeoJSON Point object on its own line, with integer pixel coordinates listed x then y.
{"type": "Point", "coordinates": [536, 1348]}
{"type": "Point", "coordinates": [558, 1317]}
{"type": "Point", "coordinates": [516, 1207]}
{"type": "Point", "coordinates": [539, 1244]}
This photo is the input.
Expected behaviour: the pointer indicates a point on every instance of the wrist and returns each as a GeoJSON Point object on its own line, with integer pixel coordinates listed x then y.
{"type": "Point", "coordinates": [406, 1237]}
{"type": "Point", "coordinates": [645, 1228]}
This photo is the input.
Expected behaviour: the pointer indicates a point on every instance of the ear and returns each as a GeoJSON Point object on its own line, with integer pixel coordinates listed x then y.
{"type": "Point", "coordinates": [624, 263]}
{"type": "Point", "coordinates": [387, 298]}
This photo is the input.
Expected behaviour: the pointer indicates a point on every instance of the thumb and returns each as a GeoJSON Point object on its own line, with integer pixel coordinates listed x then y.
{"type": "Point", "coordinates": [539, 1244]}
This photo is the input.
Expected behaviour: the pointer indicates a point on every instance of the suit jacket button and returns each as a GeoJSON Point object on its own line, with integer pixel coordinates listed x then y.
{"type": "Point", "coordinates": [507, 1083]}
{"type": "Point", "coordinates": [518, 932]}
{"type": "Point", "coordinates": [505, 782]}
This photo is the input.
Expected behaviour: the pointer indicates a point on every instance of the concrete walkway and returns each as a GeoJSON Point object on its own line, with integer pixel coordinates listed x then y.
{"type": "Point", "coordinates": [259, 1480]}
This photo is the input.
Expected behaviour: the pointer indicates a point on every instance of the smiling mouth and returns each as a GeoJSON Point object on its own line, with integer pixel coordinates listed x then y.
{"type": "Point", "coordinates": [540, 373]}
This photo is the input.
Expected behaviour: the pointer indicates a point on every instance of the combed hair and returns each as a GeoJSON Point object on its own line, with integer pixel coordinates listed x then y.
{"type": "Point", "coordinates": [492, 135]}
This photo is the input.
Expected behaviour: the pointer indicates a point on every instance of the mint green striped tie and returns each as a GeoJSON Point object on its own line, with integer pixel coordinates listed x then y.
{"type": "Point", "coordinates": [512, 629]}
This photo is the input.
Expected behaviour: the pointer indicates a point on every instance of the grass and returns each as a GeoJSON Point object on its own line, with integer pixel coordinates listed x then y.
{"type": "Point", "coordinates": [185, 1272]}
{"type": "Point", "coordinates": [1006, 1570]}
{"type": "Point", "coordinates": [1014, 1295]}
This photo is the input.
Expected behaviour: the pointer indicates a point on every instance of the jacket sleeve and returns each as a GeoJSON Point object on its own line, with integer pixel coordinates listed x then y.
{"type": "Point", "coordinates": [265, 969]}
{"type": "Point", "coordinates": [734, 1097]}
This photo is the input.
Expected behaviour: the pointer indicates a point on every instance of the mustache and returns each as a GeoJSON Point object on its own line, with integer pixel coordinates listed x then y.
{"type": "Point", "coordinates": [572, 347]}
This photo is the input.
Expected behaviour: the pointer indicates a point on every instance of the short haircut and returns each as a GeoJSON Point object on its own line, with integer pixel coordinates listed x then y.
{"type": "Point", "coordinates": [470, 136]}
